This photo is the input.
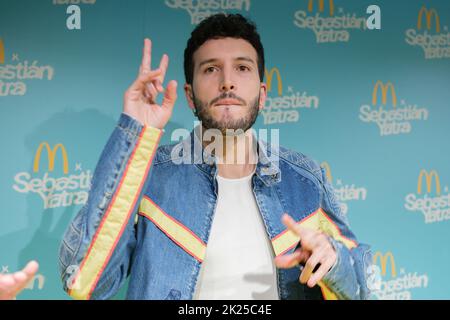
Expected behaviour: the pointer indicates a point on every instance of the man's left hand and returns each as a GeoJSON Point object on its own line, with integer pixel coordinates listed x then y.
{"type": "Point", "coordinates": [315, 249]}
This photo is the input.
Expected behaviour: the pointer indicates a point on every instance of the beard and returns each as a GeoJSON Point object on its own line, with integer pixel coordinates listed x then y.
{"type": "Point", "coordinates": [203, 113]}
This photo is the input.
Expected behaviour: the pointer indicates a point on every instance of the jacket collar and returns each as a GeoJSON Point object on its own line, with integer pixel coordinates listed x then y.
{"type": "Point", "coordinates": [267, 169]}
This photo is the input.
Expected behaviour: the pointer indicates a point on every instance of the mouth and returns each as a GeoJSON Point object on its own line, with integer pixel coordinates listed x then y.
{"type": "Point", "coordinates": [228, 103]}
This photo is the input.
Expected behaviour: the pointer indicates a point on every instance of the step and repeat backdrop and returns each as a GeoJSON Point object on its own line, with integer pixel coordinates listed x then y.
{"type": "Point", "coordinates": [364, 92]}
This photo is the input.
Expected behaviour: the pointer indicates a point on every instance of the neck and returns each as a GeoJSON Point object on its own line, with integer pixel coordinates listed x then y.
{"type": "Point", "coordinates": [236, 154]}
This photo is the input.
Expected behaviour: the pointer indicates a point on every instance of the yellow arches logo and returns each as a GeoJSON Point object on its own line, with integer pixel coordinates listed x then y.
{"type": "Point", "coordinates": [51, 154]}
{"type": "Point", "coordinates": [428, 15]}
{"type": "Point", "coordinates": [383, 262]}
{"type": "Point", "coordinates": [384, 91]}
{"type": "Point", "coordinates": [326, 166]}
{"type": "Point", "coordinates": [428, 179]}
{"type": "Point", "coordinates": [321, 6]}
{"type": "Point", "coordinates": [269, 77]}
{"type": "Point", "coordinates": [2, 52]}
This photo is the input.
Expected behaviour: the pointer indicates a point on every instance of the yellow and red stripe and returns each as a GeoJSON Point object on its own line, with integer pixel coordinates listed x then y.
{"type": "Point", "coordinates": [318, 220]}
{"type": "Point", "coordinates": [117, 215]}
{"type": "Point", "coordinates": [174, 229]}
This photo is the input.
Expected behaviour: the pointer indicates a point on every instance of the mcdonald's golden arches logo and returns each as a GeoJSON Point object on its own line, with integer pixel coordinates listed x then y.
{"type": "Point", "coordinates": [428, 179]}
{"type": "Point", "coordinates": [51, 154]}
{"type": "Point", "coordinates": [327, 168]}
{"type": "Point", "coordinates": [383, 262]}
{"type": "Point", "coordinates": [269, 76]}
{"type": "Point", "coordinates": [429, 13]}
{"type": "Point", "coordinates": [384, 91]}
{"type": "Point", "coordinates": [2, 52]}
{"type": "Point", "coordinates": [321, 6]}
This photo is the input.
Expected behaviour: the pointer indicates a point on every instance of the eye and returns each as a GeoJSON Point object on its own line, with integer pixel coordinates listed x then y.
{"type": "Point", "coordinates": [243, 68]}
{"type": "Point", "coordinates": [209, 69]}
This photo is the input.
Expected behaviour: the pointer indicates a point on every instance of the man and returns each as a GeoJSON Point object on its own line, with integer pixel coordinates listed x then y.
{"type": "Point", "coordinates": [12, 284]}
{"type": "Point", "coordinates": [240, 220]}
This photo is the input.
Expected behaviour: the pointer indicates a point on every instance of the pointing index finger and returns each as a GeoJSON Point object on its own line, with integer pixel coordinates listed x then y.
{"type": "Point", "coordinates": [293, 226]}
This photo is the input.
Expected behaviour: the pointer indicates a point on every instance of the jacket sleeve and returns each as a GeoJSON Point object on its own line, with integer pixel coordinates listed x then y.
{"type": "Point", "coordinates": [95, 253]}
{"type": "Point", "coordinates": [348, 278]}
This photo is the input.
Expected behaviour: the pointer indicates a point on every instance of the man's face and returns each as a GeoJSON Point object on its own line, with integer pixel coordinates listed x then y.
{"type": "Point", "coordinates": [226, 89]}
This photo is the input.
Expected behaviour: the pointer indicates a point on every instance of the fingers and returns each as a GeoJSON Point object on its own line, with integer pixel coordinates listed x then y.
{"type": "Point", "coordinates": [146, 56]}
{"type": "Point", "coordinates": [313, 240]}
{"type": "Point", "coordinates": [320, 262]}
{"type": "Point", "coordinates": [24, 276]}
{"type": "Point", "coordinates": [291, 260]}
{"type": "Point", "coordinates": [31, 268]}
{"type": "Point", "coordinates": [288, 261]}
{"type": "Point", "coordinates": [146, 64]}
{"type": "Point", "coordinates": [21, 280]}
{"type": "Point", "coordinates": [317, 257]}
{"type": "Point", "coordinates": [294, 226]}
{"type": "Point", "coordinates": [150, 91]}
{"type": "Point", "coordinates": [170, 95]}
{"type": "Point", "coordinates": [310, 239]}
{"type": "Point", "coordinates": [154, 87]}
{"type": "Point", "coordinates": [317, 244]}
{"type": "Point", "coordinates": [12, 284]}
{"type": "Point", "coordinates": [142, 79]}
{"type": "Point", "coordinates": [163, 65]}
{"type": "Point", "coordinates": [321, 272]}
{"type": "Point", "coordinates": [150, 76]}
{"type": "Point", "coordinates": [149, 83]}
{"type": "Point", "coordinates": [289, 222]}
{"type": "Point", "coordinates": [7, 286]}
{"type": "Point", "coordinates": [21, 283]}
{"type": "Point", "coordinates": [6, 281]}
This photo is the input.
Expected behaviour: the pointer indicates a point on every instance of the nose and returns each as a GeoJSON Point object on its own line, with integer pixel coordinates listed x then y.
{"type": "Point", "coordinates": [227, 86]}
{"type": "Point", "coordinates": [227, 83]}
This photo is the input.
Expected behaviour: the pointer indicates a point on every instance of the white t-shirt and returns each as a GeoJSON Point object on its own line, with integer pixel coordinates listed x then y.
{"type": "Point", "coordinates": [239, 256]}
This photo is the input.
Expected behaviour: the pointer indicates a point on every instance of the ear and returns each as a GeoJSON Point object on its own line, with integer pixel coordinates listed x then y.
{"type": "Point", "coordinates": [189, 95]}
{"type": "Point", "coordinates": [262, 95]}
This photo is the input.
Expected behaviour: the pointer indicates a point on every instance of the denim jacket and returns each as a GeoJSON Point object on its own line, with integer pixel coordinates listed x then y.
{"type": "Point", "coordinates": [150, 209]}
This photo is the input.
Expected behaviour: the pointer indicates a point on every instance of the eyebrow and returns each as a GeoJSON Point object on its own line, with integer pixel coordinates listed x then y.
{"type": "Point", "coordinates": [248, 59]}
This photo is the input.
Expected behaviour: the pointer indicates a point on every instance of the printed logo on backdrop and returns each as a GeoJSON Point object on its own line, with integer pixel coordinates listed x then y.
{"type": "Point", "coordinates": [55, 190]}
{"type": "Point", "coordinates": [396, 283]}
{"type": "Point", "coordinates": [391, 118]}
{"type": "Point", "coordinates": [344, 192]}
{"type": "Point", "coordinates": [37, 283]}
{"type": "Point", "coordinates": [199, 10]}
{"type": "Point", "coordinates": [433, 203]}
{"type": "Point", "coordinates": [430, 35]}
{"type": "Point", "coordinates": [329, 24]}
{"type": "Point", "coordinates": [284, 107]}
{"type": "Point", "coordinates": [15, 74]}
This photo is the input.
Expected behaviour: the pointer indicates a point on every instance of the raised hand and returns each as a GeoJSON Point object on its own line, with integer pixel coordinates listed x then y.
{"type": "Point", "coordinates": [140, 98]}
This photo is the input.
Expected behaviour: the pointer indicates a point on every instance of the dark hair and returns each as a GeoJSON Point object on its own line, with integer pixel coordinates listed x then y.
{"type": "Point", "coordinates": [220, 26]}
